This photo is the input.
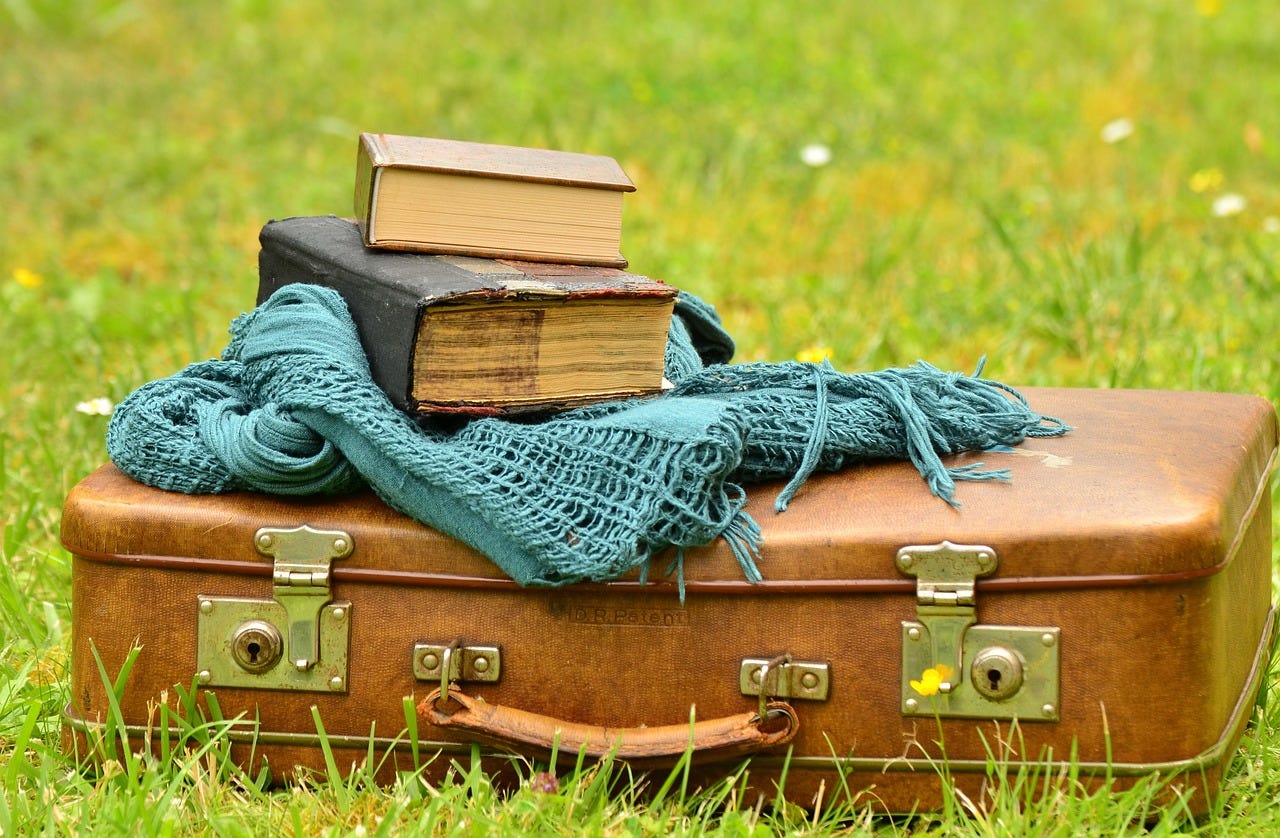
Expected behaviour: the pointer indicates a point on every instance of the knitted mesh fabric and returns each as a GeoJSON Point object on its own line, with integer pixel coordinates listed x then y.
{"type": "Point", "coordinates": [585, 495]}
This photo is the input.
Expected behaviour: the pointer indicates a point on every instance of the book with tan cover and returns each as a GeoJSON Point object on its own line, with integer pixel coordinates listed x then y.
{"type": "Point", "coordinates": [494, 201]}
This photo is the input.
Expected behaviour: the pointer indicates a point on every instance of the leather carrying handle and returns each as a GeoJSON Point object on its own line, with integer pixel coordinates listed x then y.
{"type": "Point", "coordinates": [708, 741]}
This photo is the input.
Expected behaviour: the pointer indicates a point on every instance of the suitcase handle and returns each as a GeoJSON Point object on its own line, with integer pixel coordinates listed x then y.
{"type": "Point", "coordinates": [707, 741]}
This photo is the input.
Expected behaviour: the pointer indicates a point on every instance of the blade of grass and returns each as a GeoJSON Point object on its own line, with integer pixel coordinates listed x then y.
{"type": "Point", "coordinates": [115, 723]}
{"type": "Point", "coordinates": [411, 728]}
{"type": "Point", "coordinates": [18, 763]}
{"type": "Point", "coordinates": [334, 777]}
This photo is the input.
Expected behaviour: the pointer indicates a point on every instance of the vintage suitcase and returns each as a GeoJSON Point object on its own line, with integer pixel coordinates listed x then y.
{"type": "Point", "coordinates": [1113, 599]}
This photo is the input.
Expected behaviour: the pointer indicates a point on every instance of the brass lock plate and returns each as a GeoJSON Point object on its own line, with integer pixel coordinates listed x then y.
{"type": "Point", "coordinates": [242, 643]}
{"type": "Point", "coordinates": [1009, 672]}
{"type": "Point", "coordinates": [466, 663]}
{"type": "Point", "coordinates": [785, 678]}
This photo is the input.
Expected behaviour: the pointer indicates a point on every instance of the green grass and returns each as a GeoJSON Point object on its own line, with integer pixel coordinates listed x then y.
{"type": "Point", "coordinates": [970, 208]}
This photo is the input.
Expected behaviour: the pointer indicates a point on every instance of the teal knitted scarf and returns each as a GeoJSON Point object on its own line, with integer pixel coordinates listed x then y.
{"type": "Point", "coordinates": [584, 495]}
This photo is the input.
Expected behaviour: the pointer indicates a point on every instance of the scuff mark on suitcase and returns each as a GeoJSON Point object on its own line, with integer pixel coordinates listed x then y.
{"type": "Point", "coordinates": [1046, 459]}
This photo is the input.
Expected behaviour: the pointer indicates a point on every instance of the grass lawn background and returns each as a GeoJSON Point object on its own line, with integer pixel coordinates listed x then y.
{"type": "Point", "coordinates": [1085, 193]}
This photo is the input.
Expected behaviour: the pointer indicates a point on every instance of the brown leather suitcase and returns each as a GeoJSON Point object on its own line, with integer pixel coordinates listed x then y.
{"type": "Point", "coordinates": [1113, 599]}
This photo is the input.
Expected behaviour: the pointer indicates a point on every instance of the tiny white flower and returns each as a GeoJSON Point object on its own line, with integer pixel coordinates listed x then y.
{"type": "Point", "coordinates": [1117, 130]}
{"type": "Point", "coordinates": [100, 406]}
{"type": "Point", "coordinates": [1230, 203]}
{"type": "Point", "coordinates": [815, 154]}
{"type": "Point", "coordinates": [1271, 224]}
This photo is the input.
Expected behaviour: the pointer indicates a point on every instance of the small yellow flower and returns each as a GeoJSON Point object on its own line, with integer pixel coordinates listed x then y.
{"type": "Point", "coordinates": [1209, 8]}
{"type": "Point", "coordinates": [932, 679]}
{"type": "Point", "coordinates": [1205, 179]}
{"type": "Point", "coordinates": [813, 354]}
{"type": "Point", "coordinates": [27, 278]}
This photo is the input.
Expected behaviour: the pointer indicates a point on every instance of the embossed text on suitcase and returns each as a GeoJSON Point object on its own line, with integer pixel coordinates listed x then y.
{"type": "Point", "coordinates": [1113, 600]}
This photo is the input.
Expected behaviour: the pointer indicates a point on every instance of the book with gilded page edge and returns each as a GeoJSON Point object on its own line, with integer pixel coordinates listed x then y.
{"type": "Point", "coordinates": [495, 201]}
{"type": "Point", "coordinates": [461, 334]}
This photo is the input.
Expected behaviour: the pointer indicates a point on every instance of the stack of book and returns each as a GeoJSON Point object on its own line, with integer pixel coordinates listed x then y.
{"type": "Point", "coordinates": [483, 279]}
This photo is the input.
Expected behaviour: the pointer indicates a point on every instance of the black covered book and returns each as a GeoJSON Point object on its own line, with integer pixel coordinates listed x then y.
{"type": "Point", "coordinates": [462, 334]}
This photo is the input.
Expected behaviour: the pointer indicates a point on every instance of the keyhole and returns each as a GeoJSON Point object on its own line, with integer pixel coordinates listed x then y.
{"type": "Point", "coordinates": [256, 646]}
{"type": "Point", "coordinates": [996, 673]}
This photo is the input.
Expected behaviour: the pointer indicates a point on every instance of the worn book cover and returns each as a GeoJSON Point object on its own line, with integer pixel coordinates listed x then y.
{"type": "Point", "coordinates": [461, 334]}
{"type": "Point", "coordinates": [480, 199]}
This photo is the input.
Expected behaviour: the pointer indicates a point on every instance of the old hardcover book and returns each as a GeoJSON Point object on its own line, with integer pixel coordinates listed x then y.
{"type": "Point", "coordinates": [461, 334]}
{"type": "Point", "coordinates": [495, 201]}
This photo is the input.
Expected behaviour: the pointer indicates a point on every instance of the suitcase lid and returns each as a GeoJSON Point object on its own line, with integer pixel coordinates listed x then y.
{"type": "Point", "coordinates": [1150, 485]}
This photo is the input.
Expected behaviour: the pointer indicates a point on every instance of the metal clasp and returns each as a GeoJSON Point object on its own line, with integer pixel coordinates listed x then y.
{"type": "Point", "coordinates": [945, 600]}
{"type": "Point", "coordinates": [244, 642]}
{"type": "Point", "coordinates": [456, 661]}
{"type": "Point", "coordinates": [300, 577]}
{"type": "Point", "coordinates": [783, 677]}
{"type": "Point", "coordinates": [951, 666]}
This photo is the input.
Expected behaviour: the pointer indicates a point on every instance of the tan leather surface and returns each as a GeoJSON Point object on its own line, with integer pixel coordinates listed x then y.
{"type": "Point", "coordinates": [1161, 483]}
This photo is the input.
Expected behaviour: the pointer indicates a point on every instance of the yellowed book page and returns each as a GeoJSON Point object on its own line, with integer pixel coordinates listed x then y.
{"type": "Point", "coordinates": [516, 352]}
{"type": "Point", "coordinates": [440, 209]}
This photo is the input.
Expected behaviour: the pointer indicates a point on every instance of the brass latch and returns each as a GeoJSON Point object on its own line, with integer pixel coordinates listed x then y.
{"type": "Point", "coordinates": [300, 577]}
{"type": "Point", "coordinates": [449, 662]}
{"type": "Point", "coordinates": [295, 641]}
{"type": "Point", "coordinates": [945, 599]}
{"type": "Point", "coordinates": [782, 677]}
{"type": "Point", "coordinates": [953, 667]}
